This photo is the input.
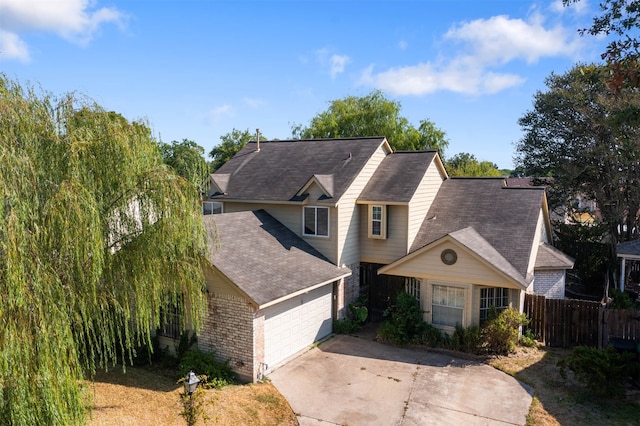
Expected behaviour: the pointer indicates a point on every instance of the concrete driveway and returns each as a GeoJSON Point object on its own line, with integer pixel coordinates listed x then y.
{"type": "Point", "coordinates": [349, 380]}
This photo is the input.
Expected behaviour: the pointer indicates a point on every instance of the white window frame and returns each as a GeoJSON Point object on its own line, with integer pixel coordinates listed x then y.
{"type": "Point", "coordinates": [498, 297]}
{"type": "Point", "coordinates": [315, 224]}
{"type": "Point", "coordinates": [382, 220]}
{"type": "Point", "coordinates": [214, 206]}
{"type": "Point", "coordinates": [446, 303]}
{"type": "Point", "coordinates": [412, 287]}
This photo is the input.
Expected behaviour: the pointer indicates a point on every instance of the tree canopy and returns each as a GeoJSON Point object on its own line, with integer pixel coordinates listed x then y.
{"type": "Point", "coordinates": [465, 164]}
{"type": "Point", "coordinates": [97, 236]}
{"type": "Point", "coordinates": [372, 115]}
{"type": "Point", "coordinates": [619, 19]}
{"type": "Point", "coordinates": [231, 143]}
{"type": "Point", "coordinates": [187, 160]}
{"type": "Point", "coordinates": [586, 138]}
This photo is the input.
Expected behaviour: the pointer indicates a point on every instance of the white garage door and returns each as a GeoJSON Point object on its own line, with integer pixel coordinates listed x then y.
{"type": "Point", "coordinates": [297, 323]}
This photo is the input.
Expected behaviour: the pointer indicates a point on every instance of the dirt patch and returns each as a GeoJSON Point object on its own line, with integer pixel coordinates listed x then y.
{"type": "Point", "coordinates": [143, 397]}
{"type": "Point", "coordinates": [560, 401]}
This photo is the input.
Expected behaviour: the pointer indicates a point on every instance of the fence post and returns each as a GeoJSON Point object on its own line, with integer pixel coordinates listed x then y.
{"type": "Point", "coordinates": [603, 333]}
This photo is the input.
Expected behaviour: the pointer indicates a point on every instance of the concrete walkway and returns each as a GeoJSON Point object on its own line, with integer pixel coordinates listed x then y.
{"type": "Point", "coordinates": [354, 381]}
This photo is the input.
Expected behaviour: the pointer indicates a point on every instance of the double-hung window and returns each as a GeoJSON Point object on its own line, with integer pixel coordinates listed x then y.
{"type": "Point", "coordinates": [316, 221]}
{"type": "Point", "coordinates": [447, 305]}
{"type": "Point", "coordinates": [494, 296]}
{"type": "Point", "coordinates": [377, 221]}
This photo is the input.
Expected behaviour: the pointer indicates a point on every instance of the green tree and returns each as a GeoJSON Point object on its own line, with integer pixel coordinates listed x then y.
{"type": "Point", "coordinates": [586, 138]}
{"type": "Point", "coordinates": [372, 115]}
{"type": "Point", "coordinates": [231, 143]}
{"type": "Point", "coordinates": [619, 19]}
{"type": "Point", "coordinates": [96, 236]}
{"type": "Point", "coordinates": [465, 164]}
{"type": "Point", "coordinates": [187, 160]}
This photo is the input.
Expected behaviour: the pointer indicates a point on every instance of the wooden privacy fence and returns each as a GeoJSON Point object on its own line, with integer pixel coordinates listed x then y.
{"type": "Point", "coordinates": [569, 322]}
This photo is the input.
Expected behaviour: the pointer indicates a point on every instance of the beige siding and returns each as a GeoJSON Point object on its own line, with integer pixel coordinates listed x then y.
{"type": "Point", "coordinates": [467, 269]}
{"type": "Point", "coordinates": [291, 216]}
{"type": "Point", "coordinates": [540, 236]}
{"type": "Point", "coordinates": [348, 243]}
{"type": "Point", "coordinates": [387, 250]}
{"type": "Point", "coordinates": [421, 201]}
{"type": "Point", "coordinates": [218, 283]}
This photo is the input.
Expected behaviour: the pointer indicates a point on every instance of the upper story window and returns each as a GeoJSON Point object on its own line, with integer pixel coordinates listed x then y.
{"type": "Point", "coordinates": [377, 221]}
{"type": "Point", "coordinates": [211, 207]}
{"type": "Point", "coordinates": [316, 221]}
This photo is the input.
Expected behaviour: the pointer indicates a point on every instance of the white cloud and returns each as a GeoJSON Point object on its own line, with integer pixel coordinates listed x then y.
{"type": "Point", "coordinates": [74, 20]}
{"type": "Point", "coordinates": [218, 113]}
{"type": "Point", "coordinates": [254, 102]}
{"type": "Point", "coordinates": [499, 39]}
{"type": "Point", "coordinates": [11, 47]}
{"type": "Point", "coordinates": [335, 62]}
{"type": "Point", "coordinates": [580, 7]}
{"type": "Point", "coordinates": [402, 44]}
{"type": "Point", "coordinates": [338, 62]}
{"type": "Point", "coordinates": [480, 52]}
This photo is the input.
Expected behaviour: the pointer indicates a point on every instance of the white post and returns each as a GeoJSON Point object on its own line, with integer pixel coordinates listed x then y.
{"type": "Point", "coordinates": [622, 273]}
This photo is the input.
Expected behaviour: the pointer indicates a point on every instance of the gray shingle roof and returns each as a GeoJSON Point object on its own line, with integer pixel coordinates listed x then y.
{"type": "Point", "coordinates": [550, 257]}
{"type": "Point", "coordinates": [397, 177]}
{"type": "Point", "coordinates": [281, 168]}
{"type": "Point", "coordinates": [505, 217]}
{"type": "Point", "coordinates": [472, 240]}
{"type": "Point", "coordinates": [629, 248]}
{"type": "Point", "coordinates": [263, 258]}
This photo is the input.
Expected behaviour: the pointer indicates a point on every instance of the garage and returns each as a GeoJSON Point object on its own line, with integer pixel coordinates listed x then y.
{"type": "Point", "coordinates": [269, 293]}
{"type": "Point", "coordinates": [296, 323]}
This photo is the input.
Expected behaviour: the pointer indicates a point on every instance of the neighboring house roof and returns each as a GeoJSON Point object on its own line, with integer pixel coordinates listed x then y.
{"type": "Point", "coordinates": [269, 263]}
{"type": "Point", "coordinates": [505, 217]}
{"type": "Point", "coordinates": [398, 177]}
{"type": "Point", "coordinates": [282, 170]}
{"type": "Point", "coordinates": [630, 249]}
{"type": "Point", "coordinates": [551, 258]}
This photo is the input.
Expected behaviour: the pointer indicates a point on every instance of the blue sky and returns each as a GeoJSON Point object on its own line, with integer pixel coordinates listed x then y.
{"type": "Point", "coordinates": [196, 69]}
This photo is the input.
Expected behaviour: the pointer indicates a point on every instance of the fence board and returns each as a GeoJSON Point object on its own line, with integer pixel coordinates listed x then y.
{"type": "Point", "coordinates": [566, 322]}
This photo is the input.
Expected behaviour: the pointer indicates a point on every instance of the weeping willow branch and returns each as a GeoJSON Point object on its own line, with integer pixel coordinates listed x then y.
{"type": "Point", "coordinates": [96, 236]}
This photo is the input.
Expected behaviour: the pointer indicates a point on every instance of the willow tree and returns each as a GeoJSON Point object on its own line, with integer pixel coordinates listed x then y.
{"type": "Point", "coordinates": [97, 236]}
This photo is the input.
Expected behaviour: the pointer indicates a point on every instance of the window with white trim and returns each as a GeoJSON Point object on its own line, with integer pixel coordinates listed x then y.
{"type": "Point", "coordinates": [315, 221]}
{"type": "Point", "coordinates": [447, 305]}
{"type": "Point", "coordinates": [497, 297]}
{"type": "Point", "coordinates": [412, 287]}
{"type": "Point", "coordinates": [211, 207]}
{"type": "Point", "coordinates": [377, 221]}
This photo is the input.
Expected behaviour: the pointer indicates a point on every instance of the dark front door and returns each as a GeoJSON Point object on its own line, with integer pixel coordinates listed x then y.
{"type": "Point", "coordinates": [382, 289]}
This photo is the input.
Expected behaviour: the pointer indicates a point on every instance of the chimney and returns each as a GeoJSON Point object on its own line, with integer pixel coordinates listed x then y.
{"type": "Point", "coordinates": [258, 140]}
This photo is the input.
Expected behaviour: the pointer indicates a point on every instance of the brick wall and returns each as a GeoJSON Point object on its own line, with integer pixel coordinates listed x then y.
{"type": "Point", "coordinates": [348, 290]}
{"type": "Point", "coordinates": [549, 284]}
{"type": "Point", "coordinates": [228, 332]}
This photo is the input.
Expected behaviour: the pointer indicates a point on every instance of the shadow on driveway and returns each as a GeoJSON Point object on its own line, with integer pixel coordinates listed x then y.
{"type": "Point", "coordinates": [350, 380]}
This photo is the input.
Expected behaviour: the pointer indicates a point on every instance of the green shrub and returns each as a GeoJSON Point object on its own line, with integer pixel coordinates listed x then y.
{"type": "Point", "coordinates": [359, 313]}
{"type": "Point", "coordinates": [404, 324]}
{"type": "Point", "coordinates": [345, 326]}
{"type": "Point", "coordinates": [528, 338]}
{"type": "Point", "coordinates": [621, 300]}
{"type": "Point", "coordinates": [501, 331]}
{"type": "Point", "coordinates": [218, 373]}
{"type": "Point", "coordinates": [466, 339]}
{"type": "Point", "coordinates": [604, 372]}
